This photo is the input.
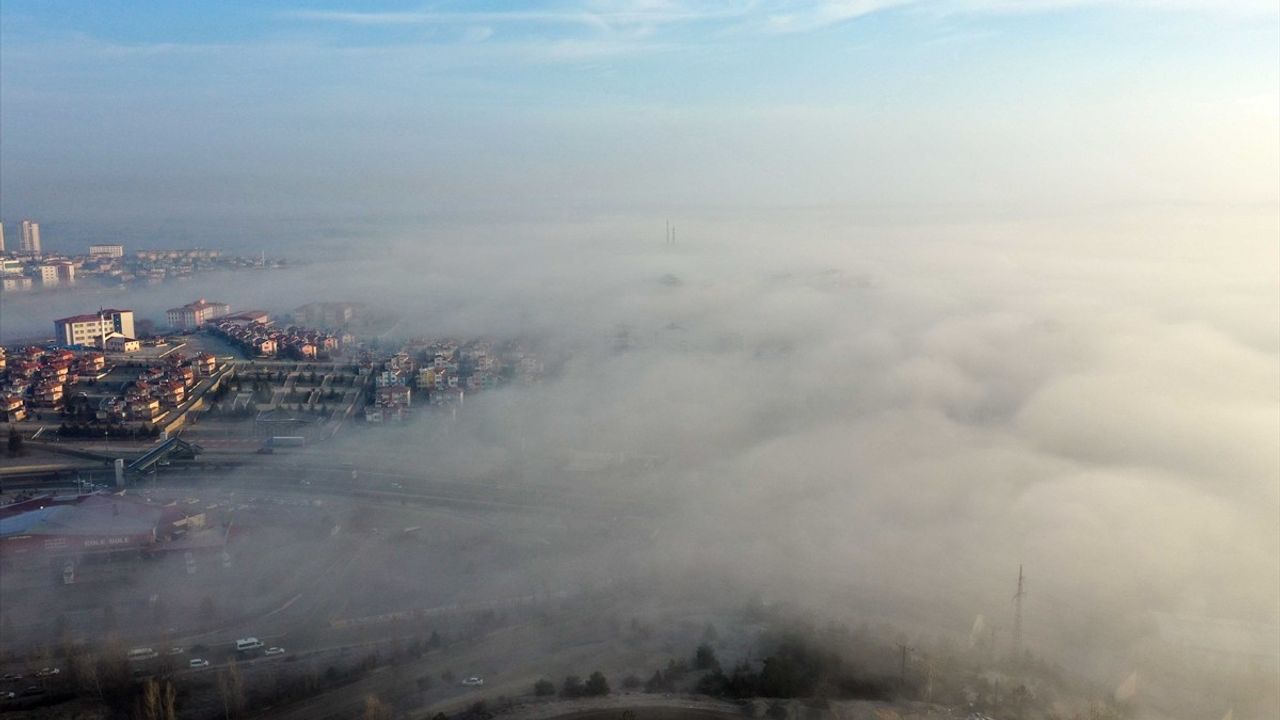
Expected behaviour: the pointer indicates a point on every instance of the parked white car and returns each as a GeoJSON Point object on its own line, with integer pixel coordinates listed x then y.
{"type": "Point", "coordinates": [473, 681]}
{"type": "Point", "coordinates": [275, 651]}
{"type": "Point", "coordinates": [196, 663]}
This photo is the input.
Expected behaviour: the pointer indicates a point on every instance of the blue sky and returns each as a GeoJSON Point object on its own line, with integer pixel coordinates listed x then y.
{"type": "Point", "coordinates": [124, 111]}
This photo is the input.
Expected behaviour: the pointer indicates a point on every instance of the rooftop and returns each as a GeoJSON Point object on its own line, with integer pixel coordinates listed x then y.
{"type": "Point", "coordinates": [91, 515]}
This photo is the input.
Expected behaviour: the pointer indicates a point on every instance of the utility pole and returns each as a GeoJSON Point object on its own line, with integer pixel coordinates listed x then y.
{"type": "Point", "coordinates": [1017, 616]}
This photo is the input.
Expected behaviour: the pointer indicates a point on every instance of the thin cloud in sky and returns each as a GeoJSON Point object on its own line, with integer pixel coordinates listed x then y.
{"type": "Point", "coordinates": [590, 15]}
{"type": "Point", "coordinates": [767, 16]}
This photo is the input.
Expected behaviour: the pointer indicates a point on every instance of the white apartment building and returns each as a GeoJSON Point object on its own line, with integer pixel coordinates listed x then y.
{"type": "Point", "coordinates": [114, 251]}
{"type": "Point", "coordinates": [93, 329]}
{"type": "Point", "coordinates": [31, 238]}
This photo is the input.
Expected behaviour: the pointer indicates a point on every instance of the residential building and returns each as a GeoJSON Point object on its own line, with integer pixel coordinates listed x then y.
{"type": "Point", "coordinates": [16, 284]}
{"type": "Point", "coordinates": [193, 315]}
{"type": "Point", "coordinates": [144, 408]}
{"type": "Point", "coordinates": [49, 392]}
{"type": "Point", "coordinates": [13, 407]}
{"type": "Point", "coordinates": [391, 404]}
{"type": "Point", "coordinates": [206, 363]}
{"type": "Point", "coordinates": [31, 238]}
{"type": "Point", "coordinates": [122, 344]}
{"type": "Point", "coordinates": [114, 251]}
{"type": "Point", "coordinates": [1, 238]}
{"type": "Point", "coordinates": [249, 317]}
{"type": "Point", "coordinates": [173, 392]}
{"type": "Point", "coordinates": [327, 314]}
{"type": "Point", "coordinates": [10, 266]}
{"type": "Point", "coordinates": [57, 273]}
{"type": "Point", "coordinates": [93, 329]}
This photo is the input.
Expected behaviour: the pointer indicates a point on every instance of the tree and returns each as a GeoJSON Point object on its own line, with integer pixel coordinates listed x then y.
{"type": "Point", "coordinates": [15, 442]}
{"type": "Point", "coordinates": [375, 709]}
{"type": "Point", "coordinates": [705, 658]}
{"type": "Point", "coordinates": [656, 683]}
{"type": "Point", "coordinates": [597, 685]}
{"type": "Point", "coordinates": [82, 671]}
{"type": "Point", "coordinates": [572, 687]}
{"type": "Point", "coordinates": [231, 690]}
{"type": "Point", "coordinates": [158, 701]}
{"type": "Point", "coordinates": [544, 687]}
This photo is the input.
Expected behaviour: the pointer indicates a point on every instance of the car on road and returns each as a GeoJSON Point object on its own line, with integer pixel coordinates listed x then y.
{"type": "Point", "coordinates": [473, 681]}
{"type": "Point", "coordinates": [275, 651]}
{"type": "Point", "coordinates": [143, 653]}
{"type": "Point", "coordinates": [176, 650]}
{"type": "Point", "coordinates": [11, 676]}
{"type": "Point", "coordinates": [249, 643]}
{"type": "Point", "coordinates": [196, 663]}
{"type": "Point", "coordinates": [48, 672]}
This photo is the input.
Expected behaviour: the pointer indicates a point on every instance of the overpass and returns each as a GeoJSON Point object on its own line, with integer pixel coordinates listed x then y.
{"type": "Point", "coordinates": [175, 448]}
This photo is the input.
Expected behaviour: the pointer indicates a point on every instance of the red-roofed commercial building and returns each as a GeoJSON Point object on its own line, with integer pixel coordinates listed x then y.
{"type": "Point", "coordinates": [82, 525]}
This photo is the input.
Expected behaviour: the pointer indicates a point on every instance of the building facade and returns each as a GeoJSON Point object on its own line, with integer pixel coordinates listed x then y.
{"type": "Point", "coordinates": [16, 283]}
{"type": "Point", "coordinates": [193, 315]}
{"type": "Point", "coordinates": [93, 329]}
{"type": "Point", "coordinates": [114, 251]}
{"type": "Point", "coordinates": [31, 238]}
{"type": "Point", "coordinates": [122, 344]}
{"type": "Point", "coordinates": [58, 273]}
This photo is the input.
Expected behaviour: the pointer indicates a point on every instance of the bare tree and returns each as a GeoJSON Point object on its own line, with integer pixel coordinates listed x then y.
{"type": "Point", "coordinates": [82, 671]}
{"type": "Point", "coordinates": [375, 709]}
{"type": "Point", "coordinates": [158, 701]}
{"type": "Point", "coordinates": [231, 690]}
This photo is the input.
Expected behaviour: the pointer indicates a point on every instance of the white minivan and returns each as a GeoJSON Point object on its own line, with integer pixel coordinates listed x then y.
{"type": "Point", "coordinates": [249, 643]}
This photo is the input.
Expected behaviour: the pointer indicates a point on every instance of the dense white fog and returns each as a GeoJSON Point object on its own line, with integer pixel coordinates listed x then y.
{"type": "Point", "coordinates": [903, 413]}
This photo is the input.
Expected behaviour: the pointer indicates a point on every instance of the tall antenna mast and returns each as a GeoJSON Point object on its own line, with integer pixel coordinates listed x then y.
{"type": "Point", "coordinates": [1017, 616]}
